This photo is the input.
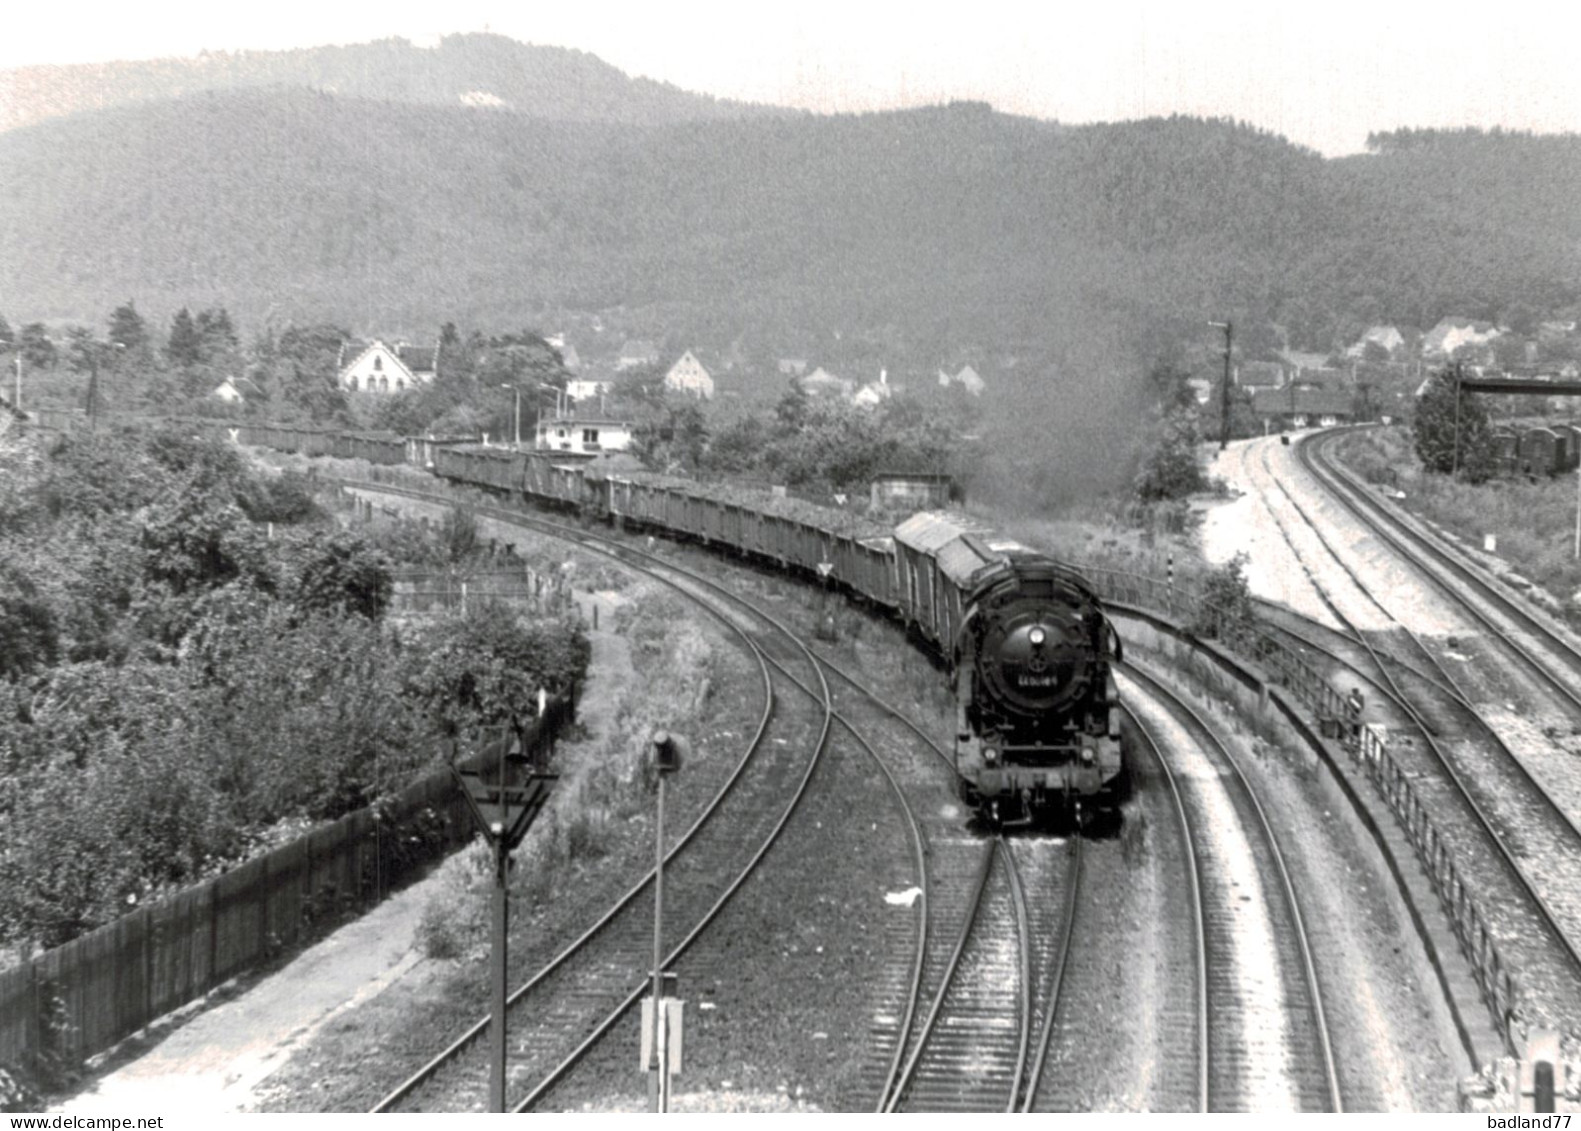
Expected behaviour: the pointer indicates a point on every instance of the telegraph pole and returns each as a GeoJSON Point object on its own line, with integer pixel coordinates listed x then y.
{"type": "Point", "coordinates": [1224, 390]}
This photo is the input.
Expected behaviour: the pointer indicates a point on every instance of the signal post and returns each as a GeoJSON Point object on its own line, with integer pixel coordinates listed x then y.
{"type": "Point", "coordinates": [506, 791]}
{"type": "Point", "coordinates": [662, 1013]}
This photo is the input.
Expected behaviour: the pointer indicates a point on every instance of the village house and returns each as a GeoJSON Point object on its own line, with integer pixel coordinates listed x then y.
{"type": "Point", "coordinates": [967, 379]}
{"type": "Point", "coordinates": [1452, 334]}
{"type": "Point", "coordinates": [1386, 338]}
{"type": "Point", "coordinates": [910, 490]}
{"type": "Point", "coordinates": [821, 383]}
{"type": "Point", "coordinates": [235, 390]}
{"type": "Point", "coordinates": [1309, 365]}
{"type": "Point", "coordinates": [586, 389]}
{"type": "Point", "coordinates": [792, 366]}
{"type": "Point", "coordinates": [1259, 375]}
{"type": "Point", "coordinates": [874, 392]}
{"type": "Point", "coordinates": [587, 433]}
{"type": "Point", "coordinates": [687, 375]}
{"type": "Point", "coordinates": [374, 367]}
{"type": "Point", "coordinates": [636, 352]}
{"type": "Point", "coordinates": [567, 351]}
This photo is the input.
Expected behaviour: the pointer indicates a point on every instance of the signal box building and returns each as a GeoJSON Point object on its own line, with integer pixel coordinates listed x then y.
{"type": "Point", "coordinates": [899, 490]}
{"type": "Point", "coordinates": [589, 435]}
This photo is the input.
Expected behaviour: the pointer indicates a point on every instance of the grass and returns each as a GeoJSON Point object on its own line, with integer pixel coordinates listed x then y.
{"type": "Point", "coordinates": [1534, 523]}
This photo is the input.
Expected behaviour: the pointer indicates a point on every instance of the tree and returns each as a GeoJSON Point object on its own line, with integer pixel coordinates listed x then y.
{"type": "Point", "coordinates": [127, 328]}
{"type": "Point", "coordinates": [82, 351]}
{"type": "Point", "coordinates": [93, 401]}
{"type": "Point", "coordinates": [216, 335]}
{"type": "Point", "coordinates": [184, 346]}
{"type": "Point", "coordinates": [739, 445]}
{"type": "Point", "coordinates": [6, 336]}
{"type": "Point", "coordinates": [792, 408]}
{"type": "Point", "coordinates": [1446, 444]}
{"type": "Point", "coordinates": [29, 638]}
{"type": "Point", "coordinates": [37, 350]}
{"type": "Point", "coordinates": [341, 573]}
{"type": "Point", "coordinates": [1170, 469]}
{"type": "Point", "coordinates": [484, 667]}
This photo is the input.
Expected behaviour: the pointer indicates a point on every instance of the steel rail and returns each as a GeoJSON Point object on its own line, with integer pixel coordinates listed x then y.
{"type": "Point", "coordinates": [1397, 695]}
{"type": "Point", "coordinates": [920, 858]}
{"type": "Point", "coordinates": [1312, 452]}
{"type": "Point", "coordinates": [620, 551]}
{"type": "Point", "coordinates": [985, 870]}
{"type": "Point", "coordinates": [1056, 977]}
{"type": "Point", "coordinates": [1198, 915]}
{"type": "Point", "coordinates": [1024, 936]}
{"type": "Point", "coordinates": [478, 1029]}
{"type": "Point", "coordinates": [1287, 886]}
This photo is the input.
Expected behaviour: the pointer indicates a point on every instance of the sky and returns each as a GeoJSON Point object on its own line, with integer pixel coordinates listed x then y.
{"type": "Point", "coordinates": [1323, 75]}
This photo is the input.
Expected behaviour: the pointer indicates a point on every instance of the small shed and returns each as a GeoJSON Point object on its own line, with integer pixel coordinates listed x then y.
{"type": "Point", "coordinates": [915, 490]}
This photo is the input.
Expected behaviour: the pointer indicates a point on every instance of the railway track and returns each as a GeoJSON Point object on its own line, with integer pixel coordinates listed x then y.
{"type": "Point", "coordinates": [906, 777]}
{"type": "Point", "coordinates": [1529, 844]}
{"type": "Point", "coordinates": [1525, 659]}
{"type": "Point", "coordinates": [995, 973]}
{"type": "Point", "coordinates": [1544, 650]}
{"type": "Point", "coordinates": [594, 982]}
{"type": "Point", "coordinates": [1263, 1038]}
{"type": "Point", "coordinates": [978, 1048]}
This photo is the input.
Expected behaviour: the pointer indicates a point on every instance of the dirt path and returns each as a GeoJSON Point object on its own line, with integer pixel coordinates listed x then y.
{"type": "Point", "coordinates": [212, 1058]}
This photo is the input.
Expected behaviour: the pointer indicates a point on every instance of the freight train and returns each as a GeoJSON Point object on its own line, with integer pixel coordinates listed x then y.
{"type": "Point", "coordinates": [1025, 639]}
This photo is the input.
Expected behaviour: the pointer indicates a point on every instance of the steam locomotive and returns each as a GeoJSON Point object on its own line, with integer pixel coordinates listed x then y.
{"type": "Point", "coordinates": [1031, 655]}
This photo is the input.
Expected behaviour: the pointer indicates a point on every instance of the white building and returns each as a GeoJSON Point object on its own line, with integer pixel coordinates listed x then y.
{"type": "Point", "coordinates": [377, 368]}
{"type": "Point", "coordinates": [590, 434]}
{"type": "Point", "coordinates": [967, 378]}
{"type": "Point", "coordinates": [583, 390]}
{"type": "Point", "coordinates": [688, 376]}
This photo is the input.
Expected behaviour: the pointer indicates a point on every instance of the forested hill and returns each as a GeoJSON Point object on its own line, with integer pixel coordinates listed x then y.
{"type": "Point", "coordinates": [919, 229]}
{"type": "Point", "coordinates": [477, 69]}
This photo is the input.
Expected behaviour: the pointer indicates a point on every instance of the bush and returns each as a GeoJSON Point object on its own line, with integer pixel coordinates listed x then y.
{"type": "Point", "coordinates": [1171, 470]}
{"type": "Point", "coordinates": [1225, 610]}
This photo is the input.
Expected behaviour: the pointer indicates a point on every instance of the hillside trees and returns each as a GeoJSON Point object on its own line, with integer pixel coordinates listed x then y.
{"type": "Point", "coordinates": [37, 350]}
{"type": "Point", "coordinates": [182, 345]}
{"type": "Point", "coordinates": [296, 370]}
{"type": "Point", "coordinates": [127, 328]}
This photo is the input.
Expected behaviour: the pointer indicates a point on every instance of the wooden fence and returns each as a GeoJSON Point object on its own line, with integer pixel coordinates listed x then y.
{"type": "Point", "coordinates": [78, 999]}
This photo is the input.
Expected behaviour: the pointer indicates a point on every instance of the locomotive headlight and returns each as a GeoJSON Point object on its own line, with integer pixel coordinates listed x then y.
{"type": "Point", "coordinates": [990, 756]}
{"type": "Point", "coordinates": [1088, 755]}
{"type": "Point", "coordinates": [1037, 636]}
